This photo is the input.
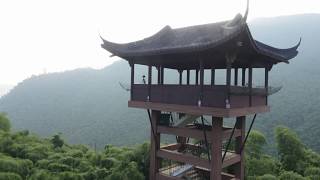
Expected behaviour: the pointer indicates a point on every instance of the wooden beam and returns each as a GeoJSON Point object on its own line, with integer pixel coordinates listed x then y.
{"type": "Point", "coordinates": [216, 148]}
{"type": "Point", "coordinates": [231, 160]}
{"type": "Point", "coordinates": [239, 167]}
{"type": "Point", "coordinates": [171, 147]}
{"type": "Point", "coordinates": [227, 176]}
{"type": "Point", "coordinates": [155, 146]}
{"type": "Point", "coordinates": [184, 158]}
{"type": "Point", "coordinates": [195, 110]}
{"type": "Point", "coordinates": [194, 133]}
{"type": "Point", "coordinates": [213, 76]}
{"type": "Point", "coordinates": [161, 176]}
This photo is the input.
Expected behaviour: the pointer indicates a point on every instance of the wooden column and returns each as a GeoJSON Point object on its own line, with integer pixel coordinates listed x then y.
{"type": "Point", "coordinates": [149, 81]}
{"type": "Point", "coordinates": [266, 83]}
{"type": "Point", "coordinates": [155, 146]}
{"type": "Point", "coordinates": [180, 76]}
{"type": "Point", "coordinates": [162, 74]}
{"type": "Point", "coordinates": [243, 76]}
{"type": "Point", "coordinates": [197, 76]}
{"type": "Point", "coordinates": [213, 76]}
{"type": "Point", "coordinates": [188, 77]}
{"type": "Point", "coordinates": [250, 85]}
{"type": "Point", "coordinates": [132, 80]}
{"type": "Point", "coordinates": [239, 167]}
{"type": "Point", "coordinates": [236, 76]}
{"type": "Point", "coordinates": [228, 79]}
{"type": "Point", "coordinates": [201, 80]}
{"type": "Point", "coordinates": [216, 148]}
{"type": "Point", "coordinates": [159, 74]}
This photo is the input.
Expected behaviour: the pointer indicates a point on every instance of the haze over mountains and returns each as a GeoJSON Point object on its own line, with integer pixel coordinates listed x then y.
{"type": "Point", "coordinates": [4, 89]}
{"type": "Point", "coordinates": [88, 106]}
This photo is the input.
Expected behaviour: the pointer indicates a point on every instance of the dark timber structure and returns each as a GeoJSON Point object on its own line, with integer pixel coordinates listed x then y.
{"type": "Point", "coordinates": [225, 45]}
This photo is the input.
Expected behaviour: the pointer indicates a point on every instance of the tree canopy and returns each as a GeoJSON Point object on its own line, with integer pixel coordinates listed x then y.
{"type": "Point", "coordinates": [4, 122]}
{"type": "Point", "coordinates": [23, 155]}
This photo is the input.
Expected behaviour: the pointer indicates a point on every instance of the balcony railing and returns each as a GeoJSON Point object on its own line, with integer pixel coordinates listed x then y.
{"type": "Point", "coordinates": [212, 96]}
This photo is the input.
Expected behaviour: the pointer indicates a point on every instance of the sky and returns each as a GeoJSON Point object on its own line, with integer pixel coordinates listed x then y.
{"type": "Point", "coordinates": [42, 36]}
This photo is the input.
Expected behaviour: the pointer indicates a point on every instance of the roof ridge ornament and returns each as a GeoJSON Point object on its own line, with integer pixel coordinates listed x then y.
{"type": "Point", "coordinates": [246, 13]}
{"type": "Point", "coordinates": [237, 21]}
{"type": "Point", "coordinates": [297, 45]}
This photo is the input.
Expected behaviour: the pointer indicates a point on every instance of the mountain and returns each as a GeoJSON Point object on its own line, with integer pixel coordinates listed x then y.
{"type": "Point", "coordinates": [4, 89]}
{"type": "Point", "coordinates": [88, 106]}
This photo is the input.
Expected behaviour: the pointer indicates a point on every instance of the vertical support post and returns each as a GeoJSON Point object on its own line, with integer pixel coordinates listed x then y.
{"type": "Point", "coordinates": [149, 82]}
{"type": "Point", "coordinates": [132, 80]}
{"type": "Point", "coordinates": [201, 81]}
{"type": "Point", "coordinates": [180, 76]}
{"type": "Point", "coordinates": [197, 76]}
{"type": "Point", "coordinates": [162, 75]}
{"type": "Point", "coordinates": [250, 85]}
{"type": "Point", "coordinates": [159, 74]}
{"type": "Point", "coordinates": [239, 167]}
{"type": "Point", "coordinates": [243, 76]}
{"type": "Point", "coordinates": [213, 76]}
{"type": "Point", "coordinates": [266, 83]}
{"type": "Point", "coordinates": [230, 58]}
{"type": "Point", "coordinates": [228, 80]}
{"type": "Point", "coordinates": [216, 148]}
{"type": "Point", "coordinates": [236, 76]}
{"type": "Point", "coordinates": [188, 77]}
{"type": "Point", "coordinates": [155, 145]}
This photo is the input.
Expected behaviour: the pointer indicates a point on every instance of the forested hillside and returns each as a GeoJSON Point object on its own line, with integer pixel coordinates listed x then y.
{"type": "Point", "coordinates": [88, 106]}
{"type": "Point", "coordinates": [26, 156]}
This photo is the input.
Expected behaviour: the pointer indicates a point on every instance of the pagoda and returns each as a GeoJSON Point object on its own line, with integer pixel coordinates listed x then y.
{"type": "Point", "coordinates": [182, 109]}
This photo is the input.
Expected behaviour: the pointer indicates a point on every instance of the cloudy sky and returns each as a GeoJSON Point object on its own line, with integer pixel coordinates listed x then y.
{"type": "Point", "coordinates": [38, 36]}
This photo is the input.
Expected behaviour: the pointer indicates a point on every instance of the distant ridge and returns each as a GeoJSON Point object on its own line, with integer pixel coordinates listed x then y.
{"type": "Point", "coordinates": [4, 89]}
{"type": "Point", "coordinates": [88, 106]}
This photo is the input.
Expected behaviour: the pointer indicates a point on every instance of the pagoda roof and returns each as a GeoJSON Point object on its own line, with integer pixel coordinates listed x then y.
{"type": "Point", "coordinates": [182, 48]}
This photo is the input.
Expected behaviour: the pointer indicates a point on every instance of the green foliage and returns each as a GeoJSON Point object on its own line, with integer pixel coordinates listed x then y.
{"type": "Point", "coordinates": [18, 166]}
{"type": "Point", "coordinates": [290, 149]}
{"type": "Point", "coordinates": [289, 175]}
{"type": "Point", "coordinates": [312, 158]}
{"type": "Point", "coordinates": [313, 173]}
{"type": "Point", "coordinates": [57, 141]}
{"type": "Point", "coordinates": [57, 167]}
{"type": "Point", "coordinates": [126, 171]}
{"type": "Point", "coordinates": [255, 144]}
{"type": "Point", "coordinates": [25, 156]}
{"type": "Point", "coordinates": [4, 122]}
{"type": "Point", "coordinates": [267, 177]}
{"type": "Point", "coordinates": [261, 166]}
{"type": "Point", "coordinates": [43, 175]}
{"type": "Point", "coordinates": [70, 176]}
{"type": "Point", "coordinates": [9, 176]}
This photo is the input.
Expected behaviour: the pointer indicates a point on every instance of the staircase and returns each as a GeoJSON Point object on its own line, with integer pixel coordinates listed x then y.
{"type": "Point", "coordinates": [184, 120]}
